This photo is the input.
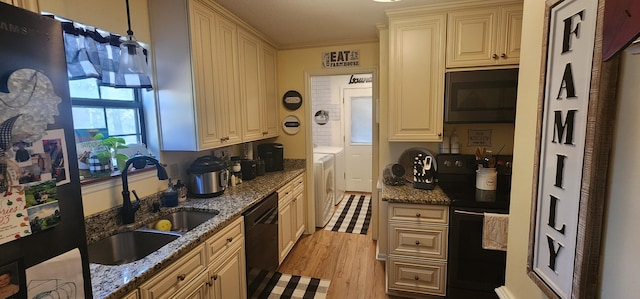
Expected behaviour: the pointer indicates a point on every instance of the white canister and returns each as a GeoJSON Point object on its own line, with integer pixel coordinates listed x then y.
{"type": "Point", "coordinates": [486, 178]}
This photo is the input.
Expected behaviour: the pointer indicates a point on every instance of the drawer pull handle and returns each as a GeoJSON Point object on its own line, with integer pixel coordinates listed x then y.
{"type": "Point", "coordinates": [230, 239]}
{"type": "Point", "coordinates": [418, 215]}
{"type": "Point", "coordinates": [181, 277]}
{"type": "Point", "coordinates": [214, 277]}
{"type": "Point", "coordinates": [416, 278]}
{"type": "Point", "coordinates": [417, 242]}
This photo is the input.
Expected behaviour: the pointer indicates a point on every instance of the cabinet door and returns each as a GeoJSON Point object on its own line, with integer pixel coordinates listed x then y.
{"type": "Point", "coordinates": [228, 87]}
{"type": "Point", "coordinates": [416, 78]}
{"type": "Point", "coordinates": [285, 230]}
{"type": "Point", "coordinates": [203, 46]}
{"type": "Point", "coordinates": [300, 214]}
{"type": "Point", "coordinates": [472, 37]}
{"type": "Point", "coordinates": [228, 276]}
{"type": "Point", "coordinates": [197, 289]}
{"type": "Point", "coordinates": [176, 276]}
{"type": "Point", "coordinates": [510, 34]}
{"type": "Point", "coordinates": [249, 68]}
{"type": "Point", "coordinates": [269, 91]}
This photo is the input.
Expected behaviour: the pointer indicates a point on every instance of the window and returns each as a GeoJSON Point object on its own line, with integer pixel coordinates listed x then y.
{"type": "Point", "coordinates": [116, 112]}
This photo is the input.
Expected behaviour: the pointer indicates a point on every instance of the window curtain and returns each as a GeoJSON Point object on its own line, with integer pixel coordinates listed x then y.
{"type": "Point", "coordinates": [95, 54]}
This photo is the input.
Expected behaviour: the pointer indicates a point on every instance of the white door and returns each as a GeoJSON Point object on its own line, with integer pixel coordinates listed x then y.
{"type": "Point", "coordinates": [358, 113]}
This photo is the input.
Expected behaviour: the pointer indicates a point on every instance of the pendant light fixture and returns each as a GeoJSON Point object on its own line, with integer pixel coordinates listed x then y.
{"type": "Point", "coordinates": [132, 59]}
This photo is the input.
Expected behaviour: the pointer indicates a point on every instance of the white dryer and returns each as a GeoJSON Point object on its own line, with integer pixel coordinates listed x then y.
{"type": "Point", "coordinates": [339, 166]}
{"type": "Point", "coordinates": [324, 180]}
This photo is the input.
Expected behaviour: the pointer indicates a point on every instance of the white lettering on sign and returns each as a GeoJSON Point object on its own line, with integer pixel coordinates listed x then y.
{"type": "Point", "coordinates": [566, 101]}
{"type": "Point", "coordinates": [341, 58]}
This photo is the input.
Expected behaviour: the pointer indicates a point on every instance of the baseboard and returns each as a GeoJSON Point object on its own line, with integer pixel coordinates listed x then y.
{"type": "Point", "coordinates": [503, 293]}
{"type": "Point", "coordinates": [380, 256]}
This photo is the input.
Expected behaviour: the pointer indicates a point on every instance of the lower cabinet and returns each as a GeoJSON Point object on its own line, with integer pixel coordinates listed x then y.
{"type": "Point", "coordinates": [291, 215]}
{"type": "Point", "coordinates": [214, 269]}
{"type": "Point", "coordinates": [417, 249]}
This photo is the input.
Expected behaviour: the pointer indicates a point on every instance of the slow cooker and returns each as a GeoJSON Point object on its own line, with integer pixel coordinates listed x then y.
{"type": "Point", "coordinates": [208, 177]}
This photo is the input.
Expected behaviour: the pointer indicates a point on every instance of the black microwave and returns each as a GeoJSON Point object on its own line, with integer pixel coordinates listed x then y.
{"type": "Point", "coordinates": [484, 96]}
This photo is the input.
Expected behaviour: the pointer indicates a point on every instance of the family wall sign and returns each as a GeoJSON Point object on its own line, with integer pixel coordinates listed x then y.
{"type": "Point", "coordinates": [575, 121]}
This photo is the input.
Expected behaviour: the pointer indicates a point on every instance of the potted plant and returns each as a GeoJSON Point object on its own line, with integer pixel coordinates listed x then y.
{"type": "Point", "coordinates": [113, 144]}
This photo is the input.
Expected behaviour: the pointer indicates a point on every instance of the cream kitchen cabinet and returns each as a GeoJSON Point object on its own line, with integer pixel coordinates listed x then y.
{"type": "Point", "coordinates": [257, 68]}
{"type": "Point", "coordinates": [291, 215]}
{"type": "Point", "coordinates": [214, 269]}
{"type": "Point", "coordinates": [417, 249]}
{"type": "Point", "coordinates": [484, 36]}
{"type": "Point", "coordinates": [215, 78]}
{"type": "Point", "coordinates": [416, 77]}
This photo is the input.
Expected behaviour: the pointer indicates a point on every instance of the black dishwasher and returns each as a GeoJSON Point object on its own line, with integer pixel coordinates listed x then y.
{"type": "Point", "coordinates": [261, 237]}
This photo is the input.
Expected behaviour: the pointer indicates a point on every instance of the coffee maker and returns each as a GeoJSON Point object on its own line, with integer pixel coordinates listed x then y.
{"type": "Point", "coordinates": [273, 156]}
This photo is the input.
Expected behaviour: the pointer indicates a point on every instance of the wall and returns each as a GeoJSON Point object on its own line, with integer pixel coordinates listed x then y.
{"type": "Point", "coordinates": [619, 263]}
{"type": "Point", "coordinates": [327, 94]}
{"type": "Point", "coordinates": [518, 284]}
{"type": "Point", "coordinates": [292, 65]}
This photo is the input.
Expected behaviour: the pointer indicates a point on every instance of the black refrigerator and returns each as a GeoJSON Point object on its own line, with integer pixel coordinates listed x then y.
{"type": "Point", "coordinates": [43, 252]}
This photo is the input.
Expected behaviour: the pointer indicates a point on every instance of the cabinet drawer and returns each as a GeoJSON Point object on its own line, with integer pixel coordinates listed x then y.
{"type": "Point", "coordinates": [226, 238]}
{"type": "Point", "coordinates": [419, 213]}
{"type": "Point", "coordinates": [298, 185]}
{"type": "Point", "coordinates": [419, 241]}
{"type": "Point", "coordinates": [417, 275]}
{"type": "Point", "coordinates": [176, 276]}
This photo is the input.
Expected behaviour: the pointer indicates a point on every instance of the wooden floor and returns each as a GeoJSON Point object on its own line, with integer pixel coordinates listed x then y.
{"type": "Point", "coordinates": [348, 260]}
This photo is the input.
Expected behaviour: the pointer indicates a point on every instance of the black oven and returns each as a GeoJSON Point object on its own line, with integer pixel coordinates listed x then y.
{"type": "Point", "coordinates": [484, 96]}
{"type": "Point", "coordinates": [472, 272]}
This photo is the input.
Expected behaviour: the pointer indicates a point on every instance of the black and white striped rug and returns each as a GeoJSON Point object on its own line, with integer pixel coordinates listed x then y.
{"type": "Point", "coordinates": [353, 215]}
{"type": "Point", "coordinates": [273, 285]}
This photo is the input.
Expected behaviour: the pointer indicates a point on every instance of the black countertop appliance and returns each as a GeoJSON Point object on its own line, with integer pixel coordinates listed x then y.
{"type": "Point", "coordinates": [273, 156]}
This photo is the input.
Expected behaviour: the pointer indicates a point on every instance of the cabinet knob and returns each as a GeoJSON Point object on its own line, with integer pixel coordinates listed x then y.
{"type": "Point", "coordinates": [439, 134]}
{"type": "Point", "coordinates": [181, 277]}
{"type": "Point", "coordinates": [418, 215]}
{"type": "Point", "coordinates": [230, 239]}
{"type": "Point", "coordinates": [503, 55]}
{"type": "Point", "coordinates": [265, 133]}
{"type": "Point", "coordinates": [494, 56]}
{"type": "Point", "coordinates": [416, 278]}
{"type": "Point", "coordinates": [214, 277]}
{"type": "Point", "coordinates": [417, 242]}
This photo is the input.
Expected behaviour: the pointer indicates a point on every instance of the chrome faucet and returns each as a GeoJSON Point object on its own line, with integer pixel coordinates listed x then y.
{"type": "Point", "coordinates": [128, 208]}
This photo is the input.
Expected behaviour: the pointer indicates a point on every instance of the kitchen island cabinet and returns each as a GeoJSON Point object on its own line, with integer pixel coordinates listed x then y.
{"type": "Point", "coordinates": [487, 35]}
{"type": "Point", "coordinates": [417, 235]}
{"type": "Point", "coordinates": [204, 79]}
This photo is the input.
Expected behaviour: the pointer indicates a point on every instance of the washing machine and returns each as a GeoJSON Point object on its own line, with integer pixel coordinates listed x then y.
{"type": "Point", "coordinates": [339, 163]}
{"type": "Point", "coordinates": [324, 180]}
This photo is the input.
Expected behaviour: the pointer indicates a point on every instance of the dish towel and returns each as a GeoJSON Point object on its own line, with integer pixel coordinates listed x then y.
{"type": "Point", "coordinates": [495, 231]}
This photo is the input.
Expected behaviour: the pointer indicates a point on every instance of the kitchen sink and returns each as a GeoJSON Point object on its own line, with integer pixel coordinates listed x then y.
{"type": "Point", "coordinates": [183, 221]}
{"type": "Point", "coordinates": [127, 247]}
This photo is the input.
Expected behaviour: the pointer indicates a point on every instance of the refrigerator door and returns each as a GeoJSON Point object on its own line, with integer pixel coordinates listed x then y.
{"type": "Point", "coordinates": [41, 214]}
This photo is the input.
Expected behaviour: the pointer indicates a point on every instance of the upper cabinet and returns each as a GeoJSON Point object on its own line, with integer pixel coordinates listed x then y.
{"type": "Point", "coordinates": [488, 36]}
{"type": "Point", "coordinates": [416, 77]}
{"type": "Point", "coordinates": [198, 51]}
{"type": "Point", "coordinates": [257, 87]}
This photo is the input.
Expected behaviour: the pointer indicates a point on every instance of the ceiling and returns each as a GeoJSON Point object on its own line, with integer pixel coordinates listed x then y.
{"type": "Point", "coordinates": [306, 23]}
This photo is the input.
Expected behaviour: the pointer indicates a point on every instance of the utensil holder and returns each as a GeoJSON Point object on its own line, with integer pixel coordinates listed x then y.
{"type": "Point", "coordinates": [486, 178]}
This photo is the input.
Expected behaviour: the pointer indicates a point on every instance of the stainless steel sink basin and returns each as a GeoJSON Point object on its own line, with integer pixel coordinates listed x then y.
{"type": "Point", "coordinates": [183, 221]}
{"type": "Point", "coordinates": [128, 247]}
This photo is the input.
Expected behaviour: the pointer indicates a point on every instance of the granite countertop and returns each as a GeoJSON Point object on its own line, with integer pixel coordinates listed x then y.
{"type": "Point", "coordinates": [117, 281]}
{"type": "Point", "coordinates": [407, 194]}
